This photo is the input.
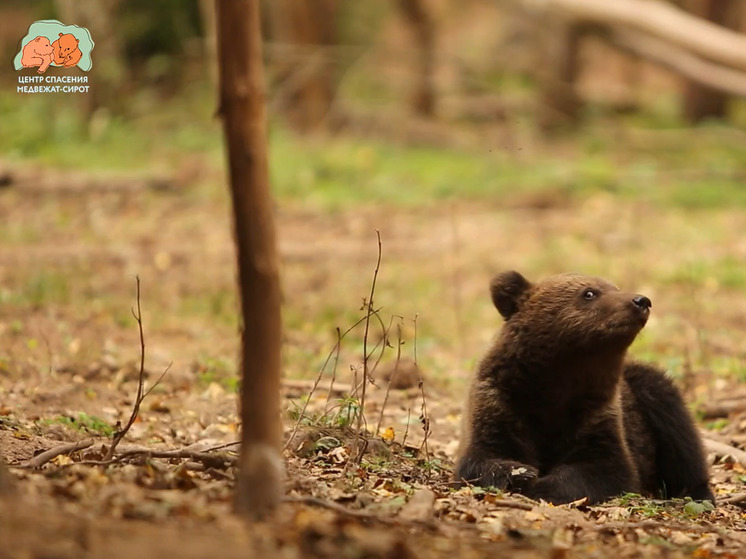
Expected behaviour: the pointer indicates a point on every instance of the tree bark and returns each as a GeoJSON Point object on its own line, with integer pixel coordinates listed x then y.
{"type": "Point", "coordinates": [421, 25]}
{"type": "Point", "coordinates": [701, 102]}
{"type": "Point", "coordinates": [260, 475]}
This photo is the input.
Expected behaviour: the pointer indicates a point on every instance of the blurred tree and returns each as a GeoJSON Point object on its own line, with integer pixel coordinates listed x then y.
{"type": "Point", "coordinates": [559, 44]}
{"type": "Point", "coordinates": [100, 19]}
{"type": "Point", "coordinates": [307, 76]}
{"type": "Point", "coordinates": [421, 24]}
{"type": "Point", "coordinates": [260, 473]}
{"type": "Point", "coordinates": [701, 102]}
{"type": "Point", "coordinates": [207, 13]}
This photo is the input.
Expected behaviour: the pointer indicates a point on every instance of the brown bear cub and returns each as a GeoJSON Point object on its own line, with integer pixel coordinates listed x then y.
{"type": "Point", "coordinates": [556, 413]}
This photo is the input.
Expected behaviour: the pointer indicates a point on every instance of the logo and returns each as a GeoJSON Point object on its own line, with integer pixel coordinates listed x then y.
{"type": "Point", "coordinates": [50, 43]}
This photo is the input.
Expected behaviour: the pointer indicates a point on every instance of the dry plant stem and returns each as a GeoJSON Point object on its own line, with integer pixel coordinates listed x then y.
{"type": "Point", "coordinates": [424, 417]}
{"type": "Point", "coordinates": [119, 435]}
{"type": "Point", "coordinates": [393, 376]}
{"type": "Point", "coordinates": [334, 351]}
{"type": "Point", "coordinates": [369, 312]}
{"type": "Point", "coordinates": [406, 429]}
{"type": "Point", "coordinates": [40, 459]}
{"type": "Point", "coordinates": [141, 393]}
{"type": "Point", "coordinates": [725, 449]}
{"type": "Point", "coordinates": [334, 370]}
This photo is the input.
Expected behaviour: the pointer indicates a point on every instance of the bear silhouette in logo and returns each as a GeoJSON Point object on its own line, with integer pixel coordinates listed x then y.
{"type": "Point", "coordinates": [66, 50]}
{"type": "Point", "coordinates": [37, 52]}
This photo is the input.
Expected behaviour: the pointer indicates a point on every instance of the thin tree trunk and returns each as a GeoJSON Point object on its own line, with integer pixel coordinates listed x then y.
{"type": "Point", "coordinates": [260, 475]}
{"type": "Point", "coordinates": [421, 24]}
{"type": "Point", "coordinates": [701, 102]}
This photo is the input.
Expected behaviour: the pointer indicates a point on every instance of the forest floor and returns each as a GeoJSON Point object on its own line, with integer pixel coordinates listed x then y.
{"type": "Point", "coordinates": [69, 364]}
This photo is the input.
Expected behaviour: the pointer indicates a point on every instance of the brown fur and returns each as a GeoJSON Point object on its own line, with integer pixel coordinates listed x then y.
{"type": "Point", "coordinates": [555, 412]}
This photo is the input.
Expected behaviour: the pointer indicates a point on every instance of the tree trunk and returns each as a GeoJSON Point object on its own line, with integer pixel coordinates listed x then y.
{"type": "Point", "coordinates": [308, 78]}
{"type": "Point", "coordinates": [701, 102]}
{"type": "Point", "coordinates": [260, 475]}
{"type": "Point", "coordinates": [421, 25]}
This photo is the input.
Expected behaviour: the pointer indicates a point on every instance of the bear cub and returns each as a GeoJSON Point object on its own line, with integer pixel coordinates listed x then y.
{"type": "Point", "coordinates": [556, 413]}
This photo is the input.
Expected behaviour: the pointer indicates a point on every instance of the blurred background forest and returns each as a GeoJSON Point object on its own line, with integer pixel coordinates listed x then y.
{"type": "Point", "coordinates": [476, 136]}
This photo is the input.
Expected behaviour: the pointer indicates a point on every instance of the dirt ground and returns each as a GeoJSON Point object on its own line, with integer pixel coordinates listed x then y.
{"type": "Point", "coordinates": [70, 351]}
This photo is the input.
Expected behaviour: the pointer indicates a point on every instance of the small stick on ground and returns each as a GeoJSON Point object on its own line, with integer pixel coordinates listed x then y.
{"type": "Point", "coordinates": [40, 459]}
{"type": "Point", "coordinates": [141, 394]}
{"type": "Point", "coordinates": [316, 502]}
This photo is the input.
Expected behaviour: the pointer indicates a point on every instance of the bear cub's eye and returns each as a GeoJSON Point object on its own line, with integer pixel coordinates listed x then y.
{"type": "Point", "coordinates": [589, 293]}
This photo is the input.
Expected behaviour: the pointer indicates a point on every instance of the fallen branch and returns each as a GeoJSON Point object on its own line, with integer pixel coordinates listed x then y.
{"type": "Point", "coordinates": [725, 450]}
{"type": "Point", "coordinates": [722, 78]}
{"type": "Point", "coordinates": [312, 385]}
{"type": "Point", "coordinates": [363, 515]}
{"type": "Point", "coordinates": [658, 19]}
{"type": "Point", "coordinates": [219, 461]}
{"type": "Point", "coordinates": [40, 459]}
{"type": "Point", "coordinates": [717, 410]}
{"type": "Point", "coordinates": [734, 499]}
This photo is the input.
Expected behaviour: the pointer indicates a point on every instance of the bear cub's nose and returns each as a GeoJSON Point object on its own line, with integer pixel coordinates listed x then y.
{"type": "Point", "coordinates": [642, 302]}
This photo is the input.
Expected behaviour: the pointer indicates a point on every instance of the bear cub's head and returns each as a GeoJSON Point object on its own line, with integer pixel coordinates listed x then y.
{"type": "Point", "coordinates": [568, 313]}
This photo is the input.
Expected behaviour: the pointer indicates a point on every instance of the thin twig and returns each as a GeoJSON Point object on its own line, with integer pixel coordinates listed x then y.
{"type": "Point", "coordinates": [40, 459]}
{"type": "Point", "coordinates": [141, 394]}
{"type": "Point", "coordinates": [334, 369]}
{"type": "Point", "coordinates": [393, 376]}
{"type": "Point", "coordinates": [424, 416]}
{"type": "Point", "coordinates": [369, 311]}
{"type": "Point", "coordinates": [406, 429]}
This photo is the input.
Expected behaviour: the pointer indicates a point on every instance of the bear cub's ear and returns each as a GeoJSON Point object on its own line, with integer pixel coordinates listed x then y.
{"type": "Point", "coordinates": [508, 291]}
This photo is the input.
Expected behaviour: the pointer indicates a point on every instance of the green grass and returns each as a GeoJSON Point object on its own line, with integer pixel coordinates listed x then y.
{"type": "Point", "coordinates": [699, 168]}
{"type": "Point", "coordinates": [83, 422]}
